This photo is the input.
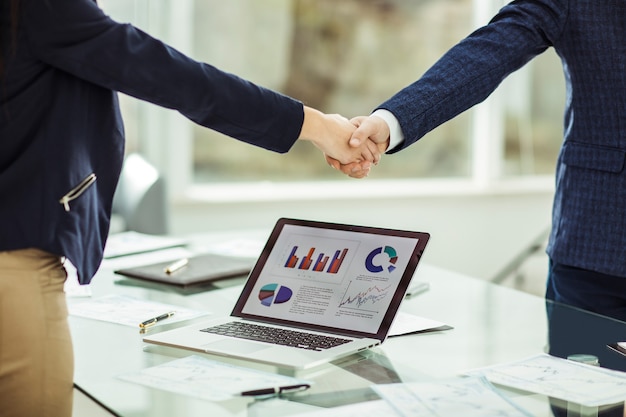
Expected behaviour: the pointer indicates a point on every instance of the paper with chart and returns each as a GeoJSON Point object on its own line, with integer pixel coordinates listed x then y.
{"type": "Point", "coordinates": [130, 311]}
{"type": "Point", "coordinates": [207, 379]}
{"type": "Point", "coordinates": [560, 378]}
{"type": "Point", "coordinates": [467, 397]}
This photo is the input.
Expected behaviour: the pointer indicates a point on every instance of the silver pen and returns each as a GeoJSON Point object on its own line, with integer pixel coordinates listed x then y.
{"type": "Point", "coordinates": [417, 289]}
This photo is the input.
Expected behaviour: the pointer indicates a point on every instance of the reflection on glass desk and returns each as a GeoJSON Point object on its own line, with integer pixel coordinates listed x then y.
{"type": "Point", "coordinates": [492, 325]}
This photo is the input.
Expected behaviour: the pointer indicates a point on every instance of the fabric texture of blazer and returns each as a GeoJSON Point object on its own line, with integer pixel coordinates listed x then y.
{"type": "Point", "coordinates": [589, 210]}
{"type": "Point", "coordinates": [61, 134]}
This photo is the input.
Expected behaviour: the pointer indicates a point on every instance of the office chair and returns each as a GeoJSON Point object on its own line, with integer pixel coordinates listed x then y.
{"type": "Point", "coordinates": [140, 200]}
{"type": "Point", "coordinates": [513, 268]}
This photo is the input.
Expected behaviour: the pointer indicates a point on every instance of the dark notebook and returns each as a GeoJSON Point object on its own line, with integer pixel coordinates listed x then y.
{"type": "Point", "coordinates": [200, 269]}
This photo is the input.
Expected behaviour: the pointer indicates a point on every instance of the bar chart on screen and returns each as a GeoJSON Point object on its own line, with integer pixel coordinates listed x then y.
{"type": "Point", "coordinates": [321, 263]}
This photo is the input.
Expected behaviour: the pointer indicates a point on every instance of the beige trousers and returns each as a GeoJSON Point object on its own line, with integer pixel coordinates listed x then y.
{"type": "Point", "coordinates": [36, 356]}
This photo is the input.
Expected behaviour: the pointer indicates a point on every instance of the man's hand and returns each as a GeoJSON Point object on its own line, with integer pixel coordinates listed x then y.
{"type": "Point", "coordinates": [372, 132]}
{"type": "Point", "coordinates": [331, 132]}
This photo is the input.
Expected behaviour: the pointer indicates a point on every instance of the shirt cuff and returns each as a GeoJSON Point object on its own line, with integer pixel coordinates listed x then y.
{"type": "Point", "coordinates": [396, 137]}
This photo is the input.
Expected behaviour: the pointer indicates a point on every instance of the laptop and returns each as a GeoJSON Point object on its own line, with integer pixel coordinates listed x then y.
{"type": "Point", "coordinates": [322, 290]}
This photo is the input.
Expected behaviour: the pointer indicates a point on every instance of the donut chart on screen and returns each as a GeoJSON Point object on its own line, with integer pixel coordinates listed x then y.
{"type": "Point", "coordinates": [274, 294]}
{"type": "Point", "coordinates": [390, 264]}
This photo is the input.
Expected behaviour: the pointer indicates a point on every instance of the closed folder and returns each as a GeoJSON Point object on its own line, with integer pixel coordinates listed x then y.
{"type": "Point", "coordinates": [200, 269]}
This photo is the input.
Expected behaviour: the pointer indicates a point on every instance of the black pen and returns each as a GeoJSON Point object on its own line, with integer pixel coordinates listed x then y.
{"type": "Point", "coordinates": [154, 320]}
{"type": "Point", "coordinates": [276, 390]}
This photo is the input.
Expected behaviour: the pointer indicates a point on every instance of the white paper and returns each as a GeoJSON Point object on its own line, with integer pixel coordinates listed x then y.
{"type": "Point", "coordinates": [245, 248]}
{"type": "Point", "coordinates": [406, 323]}
{"type": "Point", "coordinates": [207, 379]}
{"type": "Point", "coordinates": [127, 243]}
{"type": "Point", "coordinates": [130, 311]}
{"type": "Point", "coordinates": [560, 378]}
{"type": "Point", "coordinates": [467, 397]}
{"type": "Point", "coordinates": [148, 258]}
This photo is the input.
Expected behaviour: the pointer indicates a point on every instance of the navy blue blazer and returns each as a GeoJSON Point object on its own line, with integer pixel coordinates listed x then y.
{"type": "Point", "coordinates": [589, 211]}
{"type": "Point", "coordinates": [61, 134]}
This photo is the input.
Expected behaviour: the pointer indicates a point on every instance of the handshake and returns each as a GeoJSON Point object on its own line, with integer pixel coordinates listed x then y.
{"type": "Point", "coordinates": [350, 146]}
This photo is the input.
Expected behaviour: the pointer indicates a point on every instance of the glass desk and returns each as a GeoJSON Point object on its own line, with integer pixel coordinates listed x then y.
{"type": "Point", "coordinates": [491, 324]}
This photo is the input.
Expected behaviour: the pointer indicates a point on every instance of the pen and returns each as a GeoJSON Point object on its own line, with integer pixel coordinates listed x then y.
{"type": "Point", "coordinates": [619, 347]}
{"type": "Point", "coordinates": [154, 320]}
{"type": "Point", "coordinates": [276, 390]}
{"type": "Point", "coordinates": [417, 289]}
{"type": "Point", "coordinates": [173, 267]}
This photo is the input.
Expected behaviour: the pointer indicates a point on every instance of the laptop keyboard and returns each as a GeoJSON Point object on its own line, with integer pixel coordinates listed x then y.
{"type": "Point", "coordinates": [276, 336]}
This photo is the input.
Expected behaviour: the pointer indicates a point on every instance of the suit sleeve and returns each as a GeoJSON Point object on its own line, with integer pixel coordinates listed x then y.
{"type": "Point", "coordinates": [75, 36]}
{"type": "Point", "coordinates": [469, 72]}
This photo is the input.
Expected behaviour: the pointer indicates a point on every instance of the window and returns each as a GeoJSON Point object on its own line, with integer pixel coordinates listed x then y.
{"type": "Point", "coordinates": [342, 57]}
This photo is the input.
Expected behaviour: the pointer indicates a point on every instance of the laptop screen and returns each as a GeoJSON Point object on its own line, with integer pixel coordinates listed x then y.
{"type": "Point", "coordinates": [331, 277]}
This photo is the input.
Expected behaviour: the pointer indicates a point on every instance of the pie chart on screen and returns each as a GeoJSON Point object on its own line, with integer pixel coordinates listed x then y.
{"type": "Point", "coordinates": [274, 294]}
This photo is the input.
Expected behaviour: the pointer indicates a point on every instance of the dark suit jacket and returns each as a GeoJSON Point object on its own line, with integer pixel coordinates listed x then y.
{"type": "Point", "coordinates": [589, 213]}
{"type": "Point", "coordinates": [60, 120]}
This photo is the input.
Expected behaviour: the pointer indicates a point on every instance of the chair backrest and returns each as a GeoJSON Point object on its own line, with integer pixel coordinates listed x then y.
{"type": "Point", "coordinates": [140, 198]}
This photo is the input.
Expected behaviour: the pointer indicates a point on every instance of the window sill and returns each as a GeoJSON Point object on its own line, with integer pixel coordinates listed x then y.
{"type": "Point", "coordinates": [264, 191]}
